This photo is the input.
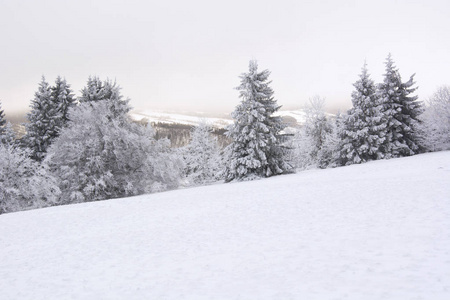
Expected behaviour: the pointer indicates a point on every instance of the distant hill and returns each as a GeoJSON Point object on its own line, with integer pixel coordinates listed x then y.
{"type": "Point", "coordinates": [292, 118]}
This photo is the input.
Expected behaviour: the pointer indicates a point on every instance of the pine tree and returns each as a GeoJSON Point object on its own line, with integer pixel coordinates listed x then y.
{"type": "Point", "coordinates": [409, 116]}
{"type": "Point", "coordinates": [389, 99]}
{"type": "Point", "coordinates": [64, 99]}
{"type": "Point", "coordinates": [202, 156]}
{"type": "Point", "coordinates": [42, 122]}
{"type": "Point", "coordinates": [93, 91]}
{"type": "Point", "coordinates": [256, 150]}
{"type": "Point", "coordinates": [2, 120]}
{"type": "Point", "coordinates": [400, 113]}
{"type": "Point", "coordinates": [363, 132]}
{"type": "Point", "coordinates": [96, 90]}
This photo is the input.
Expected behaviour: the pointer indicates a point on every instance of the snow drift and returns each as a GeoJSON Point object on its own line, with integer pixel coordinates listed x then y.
{"type": "Point", "coordinates": [375, 231]}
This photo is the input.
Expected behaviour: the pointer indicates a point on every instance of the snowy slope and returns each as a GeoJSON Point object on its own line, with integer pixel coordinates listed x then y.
{"type": "Point", "coordinates": [375, 231]}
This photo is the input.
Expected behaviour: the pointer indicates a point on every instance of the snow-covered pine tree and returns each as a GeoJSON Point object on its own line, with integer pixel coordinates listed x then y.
{"type": "Point", "coordinates": [64, 99]}
{"type": "Point", "coordinates": [2, 120]}
{"type": "Point", "coordinates": [389, 99]}
{"type": "Point", "coordinates": [256, 149]}
{"type": "Point", "coordinates": [96, 90]}
{"type": "Point", "coordinates": [42, 122]}
{"type": "Point", "coordinates": [93, 91]}
{"type": "Point", "coordinates": [202, 156]}
{"type": "Point", "coordinates": [400, 112]}
{"type": "Point", "coordinates": [363, 132]}
{"type": "Point", "coordinates": [410, 117]}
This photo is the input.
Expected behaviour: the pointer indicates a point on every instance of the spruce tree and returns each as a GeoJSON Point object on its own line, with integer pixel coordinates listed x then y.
{"type": "Point", "coordinates": [400, 113]}
{"type": "Point", "coordinates": [63, 98]}
{"type": "Point", "coordinates": [363, 132]}
{"type": "Point", "coordinates": [97, 90]}
{"type": "Point", "coordinates": [2, 120]}
{"type": "Point", "coordinates": [42, 122]}
{"type": "Point", "coordinates": [409, 116]}
{"type": "Point", "coordinates": [389, 99]}
{"type": "Point", "coordinates": [256, 149]}
{"type": "Point", "coordinates": [93, 91]}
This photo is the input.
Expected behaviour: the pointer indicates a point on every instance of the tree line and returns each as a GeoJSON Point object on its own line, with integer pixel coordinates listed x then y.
{"type": "Point", "coordinates": [86, 148]}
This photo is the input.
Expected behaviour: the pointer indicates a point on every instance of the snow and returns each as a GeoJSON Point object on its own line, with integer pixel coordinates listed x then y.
{"type": "Point", "coordinates": [195, 119]}
{"type": "Point", "coordinates": [380, 230]}
{"type": "Point", "coordinates": [179, 118]}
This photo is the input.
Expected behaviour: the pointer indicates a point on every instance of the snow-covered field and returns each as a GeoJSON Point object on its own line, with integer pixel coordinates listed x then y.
{"type": "Point", "coordinates": [194, 119]}
{"type": "Point", "coordinates": [179, 118]}
{"type": "Point", "coordinates": [375, 231]}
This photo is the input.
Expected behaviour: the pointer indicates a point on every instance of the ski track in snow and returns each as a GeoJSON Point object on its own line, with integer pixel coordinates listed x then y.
{"type": "Point", "coordinates": [375, 231]}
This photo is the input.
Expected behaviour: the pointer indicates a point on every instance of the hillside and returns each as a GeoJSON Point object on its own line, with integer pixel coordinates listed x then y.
{"type": "Point", "coordinates": [375, 231]}
{"type": "Point", "coordinates": [292, 118]}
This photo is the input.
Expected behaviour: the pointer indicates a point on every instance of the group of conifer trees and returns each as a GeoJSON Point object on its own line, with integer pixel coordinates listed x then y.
{"type": "Point", "coordinates": [86, 148]}
{"type": "Point", "coordinates": [386, 121]}
{"type": "Point", "coordinates": [81, 149]}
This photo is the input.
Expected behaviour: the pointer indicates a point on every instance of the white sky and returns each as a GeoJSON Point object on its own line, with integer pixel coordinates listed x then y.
{"type": "Point", "coordinates": [188, 54]}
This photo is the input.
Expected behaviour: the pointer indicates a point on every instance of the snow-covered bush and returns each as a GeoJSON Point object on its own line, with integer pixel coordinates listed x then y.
{"type": "Point", "coordinates": [309, 139]}
{"type": "Point", "coordinates": [24, 183]}
{"type": "Point", "coordinates": [329, 154]}
{"type": "Point", "coordinates": [8, 137]}
{"type": "Point", "coordinates": [203, 163]}
{"type": "Point", "coordinates": [302, 145]}
{"type": "Point", "coordinates": [437, 120]}
{"type": "Point", "coordinates": [101, 154]}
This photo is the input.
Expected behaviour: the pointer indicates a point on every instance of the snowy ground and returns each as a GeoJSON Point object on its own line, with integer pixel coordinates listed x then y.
{"type": "Point", "coordinates": [375, 231]}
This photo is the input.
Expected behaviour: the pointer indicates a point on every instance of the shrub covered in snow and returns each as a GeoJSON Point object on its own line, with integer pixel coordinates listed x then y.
{"type": "Point", "coordinates": [437, 120]}
{"type": "Point", "coordinates": [24, 183]}
{"type": "Point", "coordinates": [103, 155]}
{"type": "Point", "coordinates": [203, 162]}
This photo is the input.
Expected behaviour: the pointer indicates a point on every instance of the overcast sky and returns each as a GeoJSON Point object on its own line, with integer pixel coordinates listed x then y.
{"type": "Point", "coordinates": [188, 54]}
